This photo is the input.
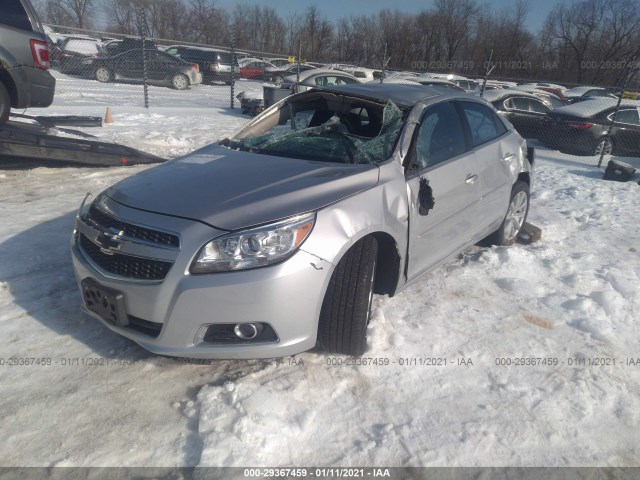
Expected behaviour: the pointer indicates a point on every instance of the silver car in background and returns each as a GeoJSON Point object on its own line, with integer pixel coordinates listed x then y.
{"type": "Point", "coordinates": [274, 241]}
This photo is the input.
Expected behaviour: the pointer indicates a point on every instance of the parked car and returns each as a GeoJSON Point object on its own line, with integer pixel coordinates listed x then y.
{"type": "Point", "coordinates": [279, 62]}
{"type": "Point", "coordinates": [116, 47]}
{"type": "Point", "coordinates": [276, 239]}
{"type": "Point", "coordinates": [582, 128]}
{"type": "Point", "coordinates": [551, 99]}
{"type": "Point", "coordinates": [162, 68]}
{"type": "Point", "coordinates": [254, 68]}
{"type": "Point", "coordinates": [579, 94]}
{"type": "Point", "coordinates": [524, 110]}
{"type": "Point", "coordinates": [277, 75]}
{"type": "Point", "coordinates": [24, 59]}
{"type": "Point", "coordinates": [318, 77]}
{"type": "Point", "coordinates": [74, 50]}
{"type": "Point", "coordinates": [465, 83]}
{"type": "Point", "coordinates": [215, 65]}
{"type": "Point", "coordinates": [431, 82]}
{"type": "Point", "coordinates": [362, 74]}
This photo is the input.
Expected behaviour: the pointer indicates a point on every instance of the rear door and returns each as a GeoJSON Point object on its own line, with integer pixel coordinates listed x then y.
{"type": "Point", "coordinates": [626, 131]}
{"type": "Point", "coordinates": [494, 149]}
{"type": "Point", "coordinates": [440, 159]}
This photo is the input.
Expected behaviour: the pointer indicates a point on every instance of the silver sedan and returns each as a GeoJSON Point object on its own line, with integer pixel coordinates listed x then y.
{"type": "Point", "coordinates": [274, 241]}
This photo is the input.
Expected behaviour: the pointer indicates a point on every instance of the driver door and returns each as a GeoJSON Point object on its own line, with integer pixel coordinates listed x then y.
{"type": "Point", "coordinates": [440, 158]}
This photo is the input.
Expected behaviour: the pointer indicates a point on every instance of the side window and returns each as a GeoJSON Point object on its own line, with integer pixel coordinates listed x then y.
{"type": "Point", "coordinates": [484, 124]}
{"type": "Point", "coordinates": [537, 106]}
{"type": "Point", "coordinates": [441, 135]}
{"type": "Point", "coordinates": [14, 15]}
{"type": "Point", "coordinates": [628, 116]}
{"type": "Point", "coordinates": [517, 103]}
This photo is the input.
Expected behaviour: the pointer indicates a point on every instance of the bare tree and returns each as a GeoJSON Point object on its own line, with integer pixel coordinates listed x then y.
{"type": "Point", "coordinates": [77, 11]}
{"type": "Point", "coordinates": [456, 18]}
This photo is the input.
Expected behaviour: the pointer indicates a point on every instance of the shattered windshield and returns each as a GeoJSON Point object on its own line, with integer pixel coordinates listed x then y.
{"type": "Point", "coordinates": [325, 127]}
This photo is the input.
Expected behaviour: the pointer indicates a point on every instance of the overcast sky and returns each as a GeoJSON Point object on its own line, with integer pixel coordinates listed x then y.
{"type": "Point", "coordinates": [538, 9]}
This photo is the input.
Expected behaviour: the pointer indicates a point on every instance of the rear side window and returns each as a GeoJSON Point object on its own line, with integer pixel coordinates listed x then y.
{"type": "Point", "coordinates": [14, 15]}
{"type": "Point", "coordinates": [441, 135]}
{"type": "Point", "coordinates": [483, 122]}
{"type": "Point", "coordinates": [78, 45]}
{"type": "Point", "coordinates": [629, 117]}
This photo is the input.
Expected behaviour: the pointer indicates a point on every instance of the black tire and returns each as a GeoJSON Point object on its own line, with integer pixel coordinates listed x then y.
{"type": "Point", "coordinates": [603, 143]}
{"type": "Point", "coordinates": [346, 308]}
{"type": "Point", "coordinates": [508, 231]}
{"type": "Point", "coordinates": [103, 74]}
{"type": "Point", "coordinates": [5, 104]}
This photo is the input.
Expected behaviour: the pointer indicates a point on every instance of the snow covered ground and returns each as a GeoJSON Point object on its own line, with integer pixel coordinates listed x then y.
{"type": "Point", "coordinates": [571, 299]}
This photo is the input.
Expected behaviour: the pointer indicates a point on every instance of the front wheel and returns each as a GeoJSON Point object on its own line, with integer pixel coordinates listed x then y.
{"type": "Point", "coordinates": [179, 81]}
{"type": "Point", "coordinates": [515, 217]}
{"type": "Point", "coordinates": [346, 308]}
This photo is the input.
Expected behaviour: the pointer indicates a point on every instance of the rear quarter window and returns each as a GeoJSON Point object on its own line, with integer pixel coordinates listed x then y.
{"type": "Point", "coordinates": [14, 15]}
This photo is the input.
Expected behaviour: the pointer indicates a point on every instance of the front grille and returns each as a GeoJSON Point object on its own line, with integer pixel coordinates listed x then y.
{"type": "Point", "coordinates": [125, 265]}
{"type": "Point", "coordinates": [134, 231]}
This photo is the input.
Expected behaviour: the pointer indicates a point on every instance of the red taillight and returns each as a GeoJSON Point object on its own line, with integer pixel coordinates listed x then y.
{"type": "Point", "coordinates": [40, 52]}
{"type": "Point", "coordinates": [579, 125]}
{"type": "Point", "coordinates": [195, 67]}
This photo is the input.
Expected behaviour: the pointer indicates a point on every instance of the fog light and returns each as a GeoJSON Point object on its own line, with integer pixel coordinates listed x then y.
{"type": "Point", "coordinates": [246, 331]}
{"type": "Point", "coordinates": [235, 334]}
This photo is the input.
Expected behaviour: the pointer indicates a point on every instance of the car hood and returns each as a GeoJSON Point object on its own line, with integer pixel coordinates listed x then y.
{"type": "Point", "coordinates": [230, 189]}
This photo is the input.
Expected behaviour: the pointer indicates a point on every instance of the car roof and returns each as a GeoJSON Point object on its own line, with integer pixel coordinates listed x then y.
{"type": "Point", "coordinates": [323, 71]}
{"type": "Point", "coordinates": [500, 93]}
{"type": "Point", "coordinates": [578, 91]}
{"type": "Point", "coordinates": [592, 107]}
{"type": "Point", "coordinates": [400, 94]}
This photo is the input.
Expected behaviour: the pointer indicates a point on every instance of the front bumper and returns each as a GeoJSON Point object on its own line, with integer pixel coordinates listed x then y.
{"type": "Point", "coordinates": [287, 297]}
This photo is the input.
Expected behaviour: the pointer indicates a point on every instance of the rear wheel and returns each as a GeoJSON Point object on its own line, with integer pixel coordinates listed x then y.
{"type": "Point", "coordinates": [5, 104]}
{"type": "Point", "coordinates": [346, 308]}
{"type": "Point", "coordinates": [515, 217]}
{"type": "Point", "coordinates": [604, 145]}
{"type": "Point", "coordinates": [179, 81]}
{"type": "Point", "coordinates": [103, 74]}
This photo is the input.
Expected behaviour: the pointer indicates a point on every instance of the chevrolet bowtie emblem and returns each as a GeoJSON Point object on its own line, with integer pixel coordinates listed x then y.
{"type": "Point", "coordinates": [109, 241]}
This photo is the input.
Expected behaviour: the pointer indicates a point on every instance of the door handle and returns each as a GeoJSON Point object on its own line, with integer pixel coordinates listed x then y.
{"type": "Point", "coordinates": [471, 178]}
{"type": "Point", "coordinates": [507, 157]}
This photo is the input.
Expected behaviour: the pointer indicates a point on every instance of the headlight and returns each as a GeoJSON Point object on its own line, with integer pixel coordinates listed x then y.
{"type": "Point", "coordinates": [253, 248]}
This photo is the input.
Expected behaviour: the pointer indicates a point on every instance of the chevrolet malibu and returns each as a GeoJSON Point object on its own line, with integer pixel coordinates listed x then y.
{"type": "Point", "coordinates": [274, 241]}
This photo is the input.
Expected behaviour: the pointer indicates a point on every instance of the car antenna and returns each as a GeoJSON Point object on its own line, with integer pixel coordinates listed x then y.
{"type": "Point", "coordinates": [487, 72]}
{"type": "Point", "coordinates": [385, 61]}
{"type": "Point", "coordinates": [299, 57]}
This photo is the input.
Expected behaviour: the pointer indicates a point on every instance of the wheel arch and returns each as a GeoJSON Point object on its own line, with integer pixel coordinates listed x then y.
{"type": "Point", "coordinates": [10, 85]}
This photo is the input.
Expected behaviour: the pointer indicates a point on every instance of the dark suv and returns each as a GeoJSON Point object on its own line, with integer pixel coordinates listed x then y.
{"type": "Point", "coordinates": [24, 59]}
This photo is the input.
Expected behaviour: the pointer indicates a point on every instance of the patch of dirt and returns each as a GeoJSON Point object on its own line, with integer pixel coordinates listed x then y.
{"type": "Point", "coordinates": [537, 321]}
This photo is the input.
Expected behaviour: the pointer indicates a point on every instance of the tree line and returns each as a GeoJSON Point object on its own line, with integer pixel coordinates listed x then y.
{"type": "Point", "coordinates": [585, 41]}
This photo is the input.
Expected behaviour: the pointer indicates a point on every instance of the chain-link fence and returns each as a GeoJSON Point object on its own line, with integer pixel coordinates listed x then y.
{"type": "Point", "coordinates": [103, 68]}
